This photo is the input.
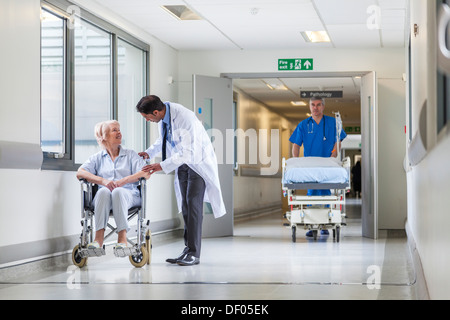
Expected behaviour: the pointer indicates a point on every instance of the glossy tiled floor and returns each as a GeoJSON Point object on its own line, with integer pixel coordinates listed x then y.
{"type": "Point", "coordinates": [258, 262]}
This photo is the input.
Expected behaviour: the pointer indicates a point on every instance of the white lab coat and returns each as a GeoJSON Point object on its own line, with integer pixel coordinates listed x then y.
{"type": "Point", "coordinates": [192, 146]}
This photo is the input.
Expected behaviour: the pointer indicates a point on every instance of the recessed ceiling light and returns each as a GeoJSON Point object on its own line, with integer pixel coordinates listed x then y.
{"type": "Point", "coordinates": [315, 36]}
{"type": "Point", "coordinates": [275, 86]}
{"type": "Point", "coordinates": [181, 12]}
{"type": "Point", "coordinates": [299, 103]}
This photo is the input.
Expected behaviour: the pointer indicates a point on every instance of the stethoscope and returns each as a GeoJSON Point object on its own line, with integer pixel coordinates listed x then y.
{"type": "Point", "coordinates": [311, 127]}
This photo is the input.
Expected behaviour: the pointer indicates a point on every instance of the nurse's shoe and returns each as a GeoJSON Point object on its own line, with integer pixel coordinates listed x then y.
{"type": "Point", "coordinates": [322, 232]}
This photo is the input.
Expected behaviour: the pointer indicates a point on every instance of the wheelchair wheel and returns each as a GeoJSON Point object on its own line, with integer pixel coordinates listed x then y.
{"type": "Point", "coordinates": [77, 259]}
{"type": "Point", "coordinates": [140, 259]}
{"type": "Point", "coordinates": [148, 243]}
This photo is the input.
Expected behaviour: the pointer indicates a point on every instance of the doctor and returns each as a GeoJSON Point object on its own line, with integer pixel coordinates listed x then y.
{"type": "Point", "coordinates": [187, 149]}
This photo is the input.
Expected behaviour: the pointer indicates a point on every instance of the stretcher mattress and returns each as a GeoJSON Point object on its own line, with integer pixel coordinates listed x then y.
{"type": "Point", "coordinates": [315, 172]}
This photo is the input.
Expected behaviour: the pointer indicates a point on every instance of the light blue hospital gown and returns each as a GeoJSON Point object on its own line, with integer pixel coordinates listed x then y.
{"type": "Point", "coordinates": [120, 199]}
{"type": "Point", "coordinates": [127, 163]}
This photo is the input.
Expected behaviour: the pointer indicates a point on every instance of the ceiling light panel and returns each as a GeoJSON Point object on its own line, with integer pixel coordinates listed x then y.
{"type": "Point", "coordinates": [316, 36]}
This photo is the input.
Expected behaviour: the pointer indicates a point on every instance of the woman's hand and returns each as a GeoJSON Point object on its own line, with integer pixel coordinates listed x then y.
{"type": "Point", "coordinates": [111, 185]}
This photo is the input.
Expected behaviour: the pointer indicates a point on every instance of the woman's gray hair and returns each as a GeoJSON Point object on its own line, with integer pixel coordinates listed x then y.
{"type": "Point", "coordinates": [101, 130]}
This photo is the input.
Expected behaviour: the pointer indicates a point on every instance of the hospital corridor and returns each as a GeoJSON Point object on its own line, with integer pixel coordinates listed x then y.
{"type": "Point", "coordinates": [265, 265]}
{"type": "Point", "coordinates": [224, 154]}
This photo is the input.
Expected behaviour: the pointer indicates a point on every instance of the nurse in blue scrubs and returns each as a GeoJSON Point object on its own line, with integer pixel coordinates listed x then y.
{"type": "Point", "coordinates": [317, 134]}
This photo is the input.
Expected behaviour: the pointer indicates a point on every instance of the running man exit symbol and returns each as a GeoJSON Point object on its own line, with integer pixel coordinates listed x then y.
{"type": "Point", "coordinates": [295, 64]}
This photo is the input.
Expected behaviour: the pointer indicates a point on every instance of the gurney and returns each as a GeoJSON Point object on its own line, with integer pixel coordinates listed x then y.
{"type": "Point", "coordinates": [316, 212]}
{"type": "Point", "coordinates": [315, 173]}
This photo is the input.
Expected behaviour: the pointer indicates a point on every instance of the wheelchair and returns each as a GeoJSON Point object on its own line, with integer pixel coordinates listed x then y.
{"type": "Point", "coordinates": [139, 252]}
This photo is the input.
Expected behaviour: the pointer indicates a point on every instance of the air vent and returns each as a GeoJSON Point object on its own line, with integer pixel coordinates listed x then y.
{"type": "Point", "coordinates": [182, 12]}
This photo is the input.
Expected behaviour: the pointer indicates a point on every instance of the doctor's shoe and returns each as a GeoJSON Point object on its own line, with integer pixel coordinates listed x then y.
{"type": "Point", "coordinates": [181, 256]}
{"type": "Point", "coordinates": [188, 260]}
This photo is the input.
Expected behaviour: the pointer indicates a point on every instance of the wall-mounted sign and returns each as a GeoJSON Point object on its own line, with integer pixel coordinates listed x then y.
{"type": "Point", "coordinates": [295, 64]}
{"type": "Point", "coordinates": [321, 94]}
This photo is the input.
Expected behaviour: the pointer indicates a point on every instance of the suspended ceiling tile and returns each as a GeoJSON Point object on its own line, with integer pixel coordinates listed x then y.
{"type": "Point", "coordinates": [393, 38]}
{"type": "Point", "coordinates": [343, 36]}
{"type": "Point", "coordinates": [335, 12]}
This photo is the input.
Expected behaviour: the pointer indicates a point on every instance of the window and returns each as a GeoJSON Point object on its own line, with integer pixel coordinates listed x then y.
{"type": "Point", "coordinates": [92, 87]}
{"type": "Point", "coordinates": [52, 83]}
{"type": "Point", "coordinates": [91, 71]}
{"type": "Point", "coordinates": [131, 88]}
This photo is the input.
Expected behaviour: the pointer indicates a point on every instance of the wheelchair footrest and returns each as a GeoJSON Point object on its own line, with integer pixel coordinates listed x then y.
{"type": "Point", "coordinates": [97, 252]}
{"type": "Point", "coordinates": [125, 252]}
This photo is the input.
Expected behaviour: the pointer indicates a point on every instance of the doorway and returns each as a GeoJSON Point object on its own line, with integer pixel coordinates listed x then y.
{"type": "Point", "coordinates": [366, 100]}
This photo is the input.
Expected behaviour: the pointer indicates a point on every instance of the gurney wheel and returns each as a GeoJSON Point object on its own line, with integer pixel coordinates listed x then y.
{"type": "Point", "coordinates": [294, 233]}
{"type": "Point", "coordinates": [338, 233]}
{"type": "Point", "coordinates": [77, 259]}
{"type": "Point", "coordinates": [141, 259]}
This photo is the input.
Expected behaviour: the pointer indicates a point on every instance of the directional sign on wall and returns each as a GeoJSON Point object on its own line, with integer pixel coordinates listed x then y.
{"type": "Point", "coordinates": [295, 64]}
{"type": "Point", "coordinates": [321, 94]}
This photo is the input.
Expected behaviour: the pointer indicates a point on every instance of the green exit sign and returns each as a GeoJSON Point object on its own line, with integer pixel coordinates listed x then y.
{"type": "Point", "coordinates": [352, 129]}
{"type": "Point", "coordinates": [295, 64]}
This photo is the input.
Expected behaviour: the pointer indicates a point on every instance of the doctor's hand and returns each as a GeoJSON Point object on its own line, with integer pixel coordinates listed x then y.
{"type": "Point", "coordinates": [152, 168]}
{"type": "Point", "coordinates": [144, 155]}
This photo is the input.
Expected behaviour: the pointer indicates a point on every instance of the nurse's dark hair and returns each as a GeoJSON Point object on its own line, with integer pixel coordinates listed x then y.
{"type": "Point", "coordinates": [148, 104]}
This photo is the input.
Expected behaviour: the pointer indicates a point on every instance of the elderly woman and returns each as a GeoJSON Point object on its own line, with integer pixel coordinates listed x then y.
{"type": "Point", "coordinates": [116, 171]}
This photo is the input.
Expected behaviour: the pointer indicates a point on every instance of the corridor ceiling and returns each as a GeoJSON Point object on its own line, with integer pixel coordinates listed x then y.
{"type": "Point", "coordinates": [269, 24]}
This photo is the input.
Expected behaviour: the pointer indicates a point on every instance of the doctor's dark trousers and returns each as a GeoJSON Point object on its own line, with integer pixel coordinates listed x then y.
{"type": "Point", "coordinates": [192, 188]}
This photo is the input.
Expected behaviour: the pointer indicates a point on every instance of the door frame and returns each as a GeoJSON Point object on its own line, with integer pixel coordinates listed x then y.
{"type": "Point", "coordinates": [219, 92]}
{"type": "Point", "coordinates": [369, 215]}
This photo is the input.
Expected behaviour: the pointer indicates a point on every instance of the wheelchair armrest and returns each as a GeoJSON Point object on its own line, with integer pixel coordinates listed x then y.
{"type": "Point", "coordinates": [143, 190]}
{"type": "Point", "coordinates": [88, 193]}
{"type": "Point", "coordinates": [142, 183]}
{"type": "Point", "coordinates": [142, 180]}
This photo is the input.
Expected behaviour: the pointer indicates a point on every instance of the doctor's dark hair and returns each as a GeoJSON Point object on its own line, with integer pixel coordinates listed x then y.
{"type": "Point", "coordinates": [148, 104]}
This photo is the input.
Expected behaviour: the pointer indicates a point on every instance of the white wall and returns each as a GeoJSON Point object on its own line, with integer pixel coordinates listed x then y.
{"type": "Point", "coordinates": [255, 193]}
{"type": "Point", "coordinates": [40, 205]}
{"type": "Point", "coordinates": [428, 183]}
{"type": "Point", "coordinates": [392, 209]}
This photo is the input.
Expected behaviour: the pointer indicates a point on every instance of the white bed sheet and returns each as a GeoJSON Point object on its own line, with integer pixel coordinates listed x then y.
{"type": "Point", "coordinates": [314, 170]}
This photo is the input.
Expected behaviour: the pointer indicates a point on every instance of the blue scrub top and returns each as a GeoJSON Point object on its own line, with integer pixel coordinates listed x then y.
{"type": "Point", "coordinates": [311, 135]}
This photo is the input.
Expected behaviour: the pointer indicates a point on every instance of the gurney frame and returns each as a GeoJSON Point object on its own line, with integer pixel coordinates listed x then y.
{"type": "Point", "coordinates": [316, 212]}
